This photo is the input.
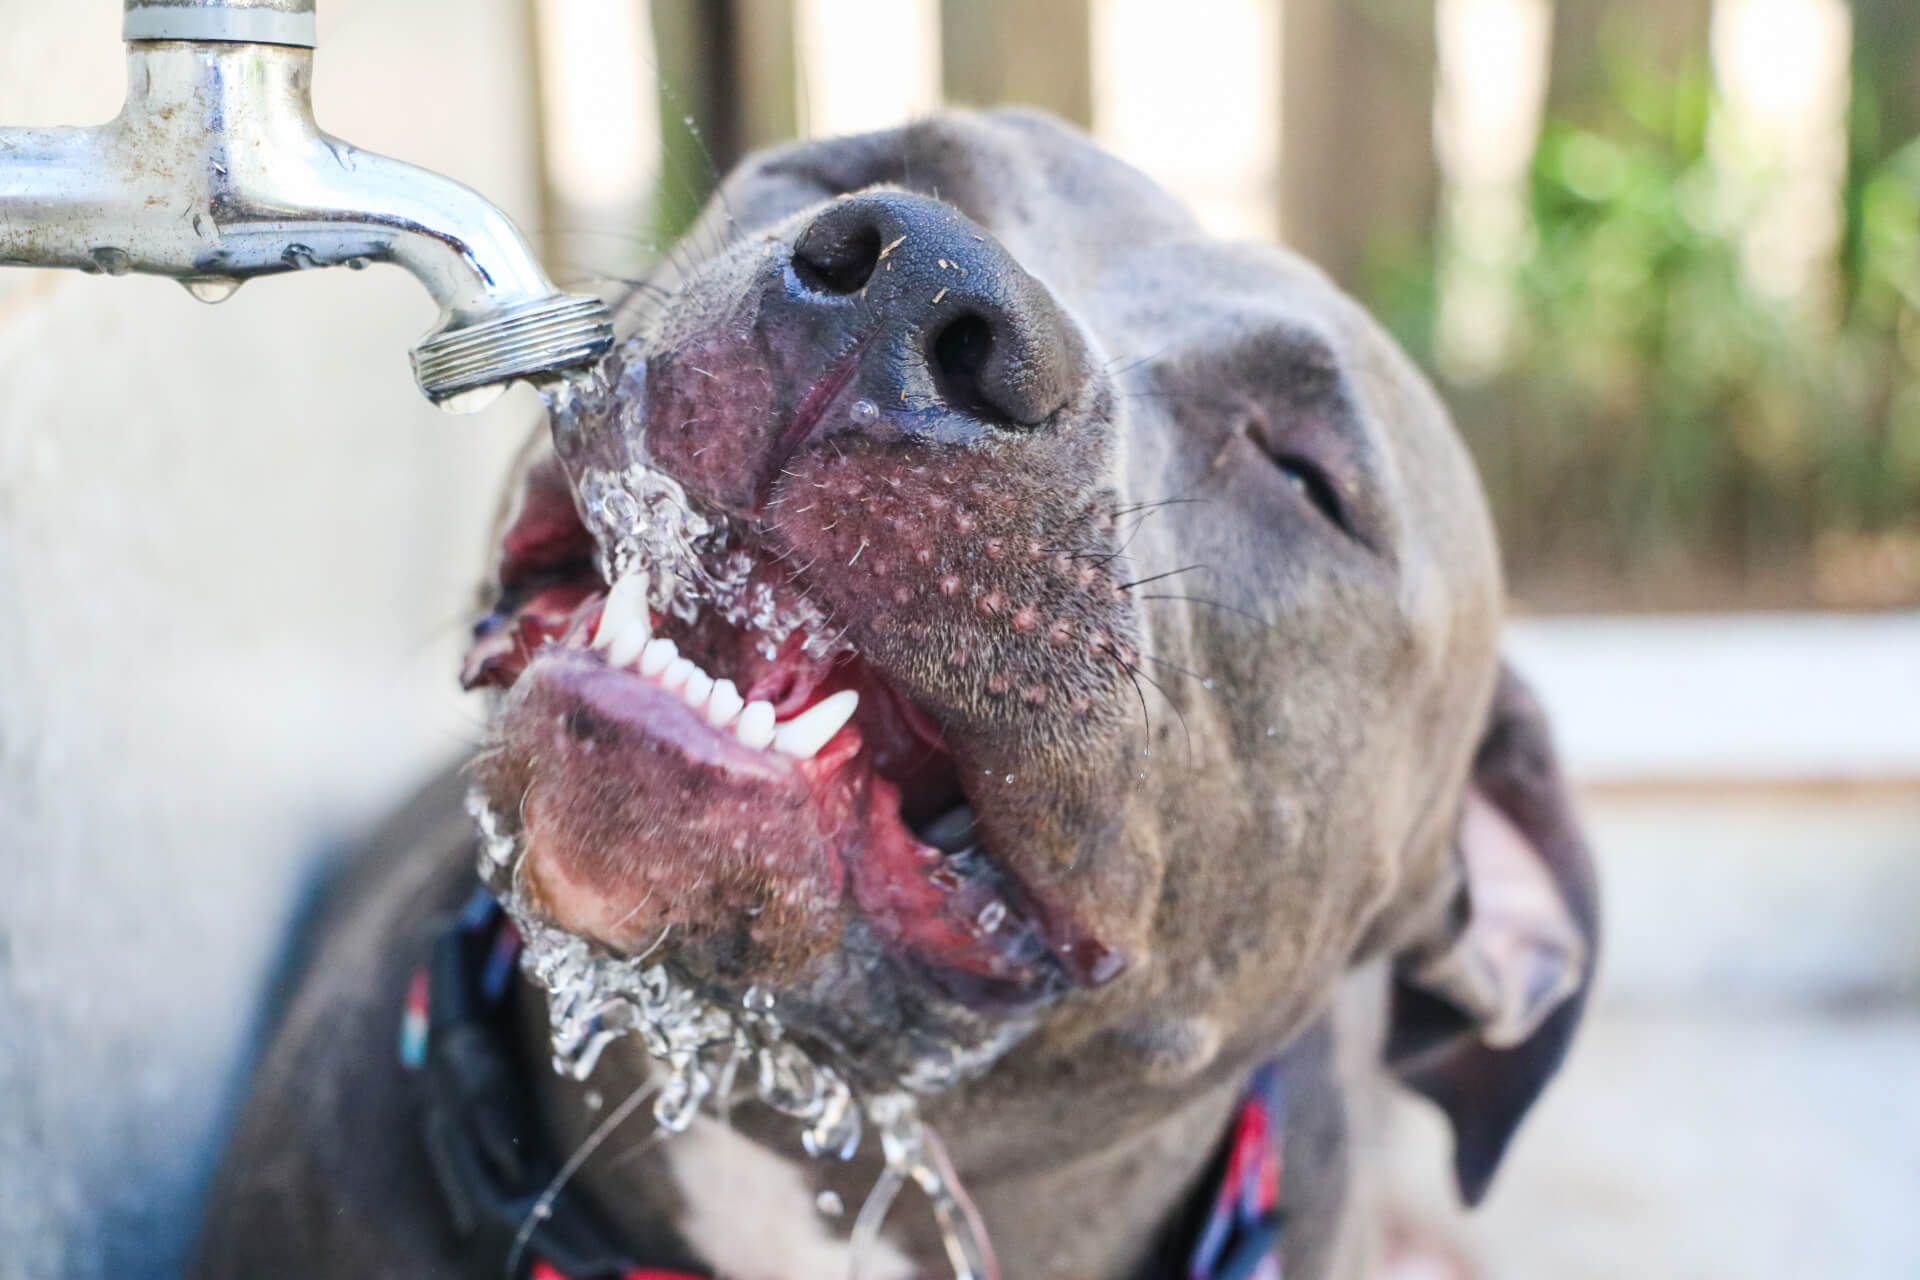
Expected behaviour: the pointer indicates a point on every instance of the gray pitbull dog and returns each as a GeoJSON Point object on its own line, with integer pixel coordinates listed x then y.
{"type": "Point", "coordinates": [1170, 598]}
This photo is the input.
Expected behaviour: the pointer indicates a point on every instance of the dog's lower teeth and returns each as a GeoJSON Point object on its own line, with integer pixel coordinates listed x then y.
{"type": "Point", "coordinates": [723, 704]}
{"type": "Point", "coordinates": [804, 735]}
{"type": "Point", "coordinates": [755, 725]}
{"type": "Point", "coordinates": [657, 656]}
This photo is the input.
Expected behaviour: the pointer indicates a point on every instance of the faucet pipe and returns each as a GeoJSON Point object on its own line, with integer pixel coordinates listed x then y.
{"type": "Point", "coordinates": [215, 172]}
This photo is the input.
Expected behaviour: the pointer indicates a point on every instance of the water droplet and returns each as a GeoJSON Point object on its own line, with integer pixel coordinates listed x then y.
{"type": "Point", "coordinates": [359, 264]}
{"type": "Point", "coordinates": [114, 262]}
{"type": "Point", "coordinates": [864, 413]}
{"type": "Point", "coordinates": [680, 1097]}
{"type": "Point", "coordinates": [788, 1081]}
{"type": "Point", "coordinates": [593, 1100]}
{"type": "Point", "coordinates": [211, 289]}
{"type": "Point", "coordinates": [829, 1204]}
{"type": "Point", "coordinates": [1273, 733]}
{"type": "Point", "coordinates": [1209, 683]}
{"type": "Point", "coordinates": [1009, 779]}
{"type": "Point", "coordinates": [991, 916]}
{"type": "Point", "coordinates": [300, 257]}
{"type": "Point", "coordinates": [474, 399]}
{"type": "Point", "coordinates": [836, 1130]}
{"type": "Point", "coordinates": [757, 1000]}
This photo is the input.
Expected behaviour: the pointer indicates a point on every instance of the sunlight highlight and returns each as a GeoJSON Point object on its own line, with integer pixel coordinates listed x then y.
{"type": "Point", "coordinates": [1196, 104]}
{"type": "Point", "coordinates": [601, 125]}
{"type": "Point", "coordinates": [1492, 84]}
{"type": "Point", "coordinates": [1780, 140]}
{"type": "Point", "coordinates": [866, 64]}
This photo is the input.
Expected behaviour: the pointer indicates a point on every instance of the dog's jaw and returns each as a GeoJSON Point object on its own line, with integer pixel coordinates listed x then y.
{"type": "Point", "coordinates": [1240, 864]}
{"type": "Point", "coordinates": [904, 875]}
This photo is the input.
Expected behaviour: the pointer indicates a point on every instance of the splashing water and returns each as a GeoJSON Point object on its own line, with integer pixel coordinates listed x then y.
{"type": "Point", "coordinates": [642, 522]}
{"type": "Point", "coordinates": [708, 1052]}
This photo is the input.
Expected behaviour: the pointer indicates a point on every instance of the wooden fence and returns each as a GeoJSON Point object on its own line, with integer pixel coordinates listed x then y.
{"type": "Point", "coordinates": [1316, 122]}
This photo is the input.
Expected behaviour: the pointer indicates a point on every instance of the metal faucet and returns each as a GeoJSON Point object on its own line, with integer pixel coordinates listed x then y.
{"type": "Point", "coordinates": [215, 173]}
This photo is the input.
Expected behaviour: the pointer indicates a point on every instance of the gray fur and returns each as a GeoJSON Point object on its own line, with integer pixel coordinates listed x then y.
{"type": "Point", "coordinates": [1244, 844]}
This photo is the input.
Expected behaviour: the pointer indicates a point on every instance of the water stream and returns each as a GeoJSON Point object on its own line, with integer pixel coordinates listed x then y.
{"type": "Point", "coordinates": [708, 1053]}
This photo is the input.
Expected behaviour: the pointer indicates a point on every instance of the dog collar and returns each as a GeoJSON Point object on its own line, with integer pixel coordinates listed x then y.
{"type": "Point", "coordinates": [493, 1171]}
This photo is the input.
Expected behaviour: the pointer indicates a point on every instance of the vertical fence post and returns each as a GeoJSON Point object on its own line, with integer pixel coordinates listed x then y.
{"type": "Point", "coordinates": [766, 71]}
{"type": "Point", "coordinates": [1356, 150]}
{"type": "Point", "coordinates": [1660, 36]}
{"type": "Point", "coordinates": [1886, 55]}
{"type": "Point", "coordinates": [1016, 51]}
{"type": "Point", "coordinates": [700, 116]}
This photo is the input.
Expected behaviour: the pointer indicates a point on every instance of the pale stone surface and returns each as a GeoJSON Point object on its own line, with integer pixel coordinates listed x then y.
{"type": "Point", "coordinates": [236, 551]}
{"type": "Point", "coordinates": [1751, 697]}
{"type": "Point", "coordinates": [1690, 1144]}
{"type": "Point", "coordinates": [1755, 896]}
{"type": "Point", "coordinates": [1745, 1098]}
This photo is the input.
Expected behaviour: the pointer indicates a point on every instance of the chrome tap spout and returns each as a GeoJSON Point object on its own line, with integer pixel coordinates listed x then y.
{"type": "Point", "coordinates": [215, 172]}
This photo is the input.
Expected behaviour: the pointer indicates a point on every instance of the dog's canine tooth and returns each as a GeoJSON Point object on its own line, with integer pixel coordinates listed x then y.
{"type": "Point", "coordinates": [804, 735]}
{"type": "Point", "coordinates": [755, 725]}
{"type": "Point", "coordinates": [626, 625]}
{"type": "Point", "coordinates": [674, 678]}
{"type": "Point", "coordinates": [657, 656]}
{"type": "Point", "coordinates": [724, 704]}
{"type": "Point", "coordinates": [698, 689]}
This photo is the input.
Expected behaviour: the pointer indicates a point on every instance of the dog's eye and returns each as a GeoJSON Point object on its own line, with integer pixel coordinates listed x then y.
{"type": "Point", "coordinates": [1316, 487]}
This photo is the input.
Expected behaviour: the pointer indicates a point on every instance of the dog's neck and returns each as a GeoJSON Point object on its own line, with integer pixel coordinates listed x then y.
{"type": "Point", "coordinates": [742, 1199]}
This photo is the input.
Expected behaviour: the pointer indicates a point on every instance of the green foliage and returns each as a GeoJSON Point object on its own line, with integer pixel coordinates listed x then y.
{"type": "Point", "coordinates": [1659, 419]}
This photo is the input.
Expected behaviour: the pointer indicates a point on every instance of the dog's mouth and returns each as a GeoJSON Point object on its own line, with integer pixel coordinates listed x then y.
{"type": "Point", "coordinates": [729, 782]}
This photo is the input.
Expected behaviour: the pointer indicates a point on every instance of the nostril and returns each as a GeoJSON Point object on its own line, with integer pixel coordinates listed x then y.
{"type": "Point", "coordinates": [960, 352]}
{"type": "Point", "coordinates": [837, 258]}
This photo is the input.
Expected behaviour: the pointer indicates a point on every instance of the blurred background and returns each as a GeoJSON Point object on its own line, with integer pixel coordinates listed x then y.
{"type": "Point", "coordinates": [1661, 256]}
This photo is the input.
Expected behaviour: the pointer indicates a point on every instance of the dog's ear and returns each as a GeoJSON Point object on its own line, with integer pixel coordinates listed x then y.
{"type": "Point", "coordinates": [1483, 1011]}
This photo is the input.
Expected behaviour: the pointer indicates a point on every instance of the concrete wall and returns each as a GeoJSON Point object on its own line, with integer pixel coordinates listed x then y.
{"type": "Point", "coordinates": [235, 553]}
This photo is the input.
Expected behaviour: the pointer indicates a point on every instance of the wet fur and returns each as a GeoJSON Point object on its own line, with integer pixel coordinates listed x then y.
{"type": "Point", "coordinates": [1277, 806]}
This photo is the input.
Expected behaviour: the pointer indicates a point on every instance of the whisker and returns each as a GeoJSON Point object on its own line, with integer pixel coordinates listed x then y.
{"type": "Point", "coordinates": [543, 1206]}
{"type": "Point", "coordinates": [1178, 714]}
{"type": "Point", "coordinates": [1118, 512]}
{"type": "Point", "coordinates": [657, 942]}
{"type": "Point", "coordinates": [641, 1147]}
{"type": "Point", "coordinates": [873, 1213]}
{"type": "Point", "coordinates": [1178, 669]}
{"type": "Point", "coordinates": [1215, 603]}
{"type": "Point", "coordinates": [1141, 582]}
{"type": "Point", "coordinates": [1117, 370]}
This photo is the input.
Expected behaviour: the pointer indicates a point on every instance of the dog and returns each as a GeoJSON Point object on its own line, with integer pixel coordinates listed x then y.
{"type": "Point", "coordinates": [1169, 604]}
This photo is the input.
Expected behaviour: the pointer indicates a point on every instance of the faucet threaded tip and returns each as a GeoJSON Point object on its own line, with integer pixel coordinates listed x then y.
{"type": "Point", "coordinates": [545, 337]}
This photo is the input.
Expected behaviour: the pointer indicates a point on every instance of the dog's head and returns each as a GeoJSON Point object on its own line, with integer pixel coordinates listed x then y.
{"type": "Point", "coordinates": [1148, 607]}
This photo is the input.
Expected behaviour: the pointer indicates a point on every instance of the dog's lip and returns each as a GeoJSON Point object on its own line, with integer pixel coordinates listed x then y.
{"type": "Point", "coordinates": [549, 585]}
{"type": "Point", "coordinates": [973, 929]}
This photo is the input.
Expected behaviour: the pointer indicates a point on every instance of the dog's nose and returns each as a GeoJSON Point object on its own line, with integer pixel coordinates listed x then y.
{"type": "Point", "coordinates": [953, 316]}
